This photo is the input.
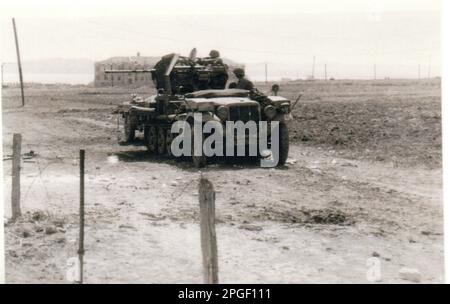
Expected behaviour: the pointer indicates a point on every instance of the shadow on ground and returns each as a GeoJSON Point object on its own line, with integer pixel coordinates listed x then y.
{"type": "Point", "coordinates": [185, 163]}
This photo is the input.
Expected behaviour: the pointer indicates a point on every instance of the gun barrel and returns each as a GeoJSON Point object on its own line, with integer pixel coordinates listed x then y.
{"type": "Point", "coordinates": [128, 71]}
{"type": "Point", "coordinates": [172, 64]}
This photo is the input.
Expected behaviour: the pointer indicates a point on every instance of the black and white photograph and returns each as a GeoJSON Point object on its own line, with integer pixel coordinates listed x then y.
{"type": "Point", "coordinates": [191, 142]}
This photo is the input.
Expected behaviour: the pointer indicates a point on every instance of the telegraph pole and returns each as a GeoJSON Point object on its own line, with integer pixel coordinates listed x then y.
{"type": "Point", "coordinates": [18, 61]}
{"type": "Point", "coordinates": [265, 68]}
{"type": "Point", "coordinates": [313, 67]}
{"type": "Point", "coordinates": [325, 72]}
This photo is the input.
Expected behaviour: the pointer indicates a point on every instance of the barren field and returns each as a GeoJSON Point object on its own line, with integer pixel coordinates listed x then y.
{"type": "Point", "coordinates": [363, 180]}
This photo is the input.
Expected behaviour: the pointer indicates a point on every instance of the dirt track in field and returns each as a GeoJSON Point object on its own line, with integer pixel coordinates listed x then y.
{"type": "Point", "coordinates": [316, 220]}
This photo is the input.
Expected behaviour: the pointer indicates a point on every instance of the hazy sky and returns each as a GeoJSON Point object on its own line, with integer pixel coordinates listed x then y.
{"type": "Point", "coordinates": [348, 35]}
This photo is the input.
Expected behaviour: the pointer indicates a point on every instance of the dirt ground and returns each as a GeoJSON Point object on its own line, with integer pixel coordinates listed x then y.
{"type": "Point", "coordinates": [363, 180]}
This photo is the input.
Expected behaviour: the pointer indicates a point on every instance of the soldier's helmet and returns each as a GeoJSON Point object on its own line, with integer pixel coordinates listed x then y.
{"type": "Point", "coordinates": [214, 54]}
{"type": "Point", "coordinates": [239, 72]}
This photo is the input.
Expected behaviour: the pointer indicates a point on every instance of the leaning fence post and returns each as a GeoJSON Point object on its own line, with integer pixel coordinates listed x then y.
{"type": "Point", "coordinates": [207, 198]}
{"type": "Point", "coordinates": [15, 187]}
{"type": "Point", "coordinates": [81, 237]}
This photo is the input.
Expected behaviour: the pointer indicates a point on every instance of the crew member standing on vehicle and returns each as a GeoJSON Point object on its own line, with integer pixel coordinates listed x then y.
{"type": "Point", "coordinates": [213, 59]}
{"type": "Point", "coordinates": [243, 83]}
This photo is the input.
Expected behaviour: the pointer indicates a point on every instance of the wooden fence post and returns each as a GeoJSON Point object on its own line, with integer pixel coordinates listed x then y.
{"type": "Point", "coordinates": [207, 198]}
{"type": "Point", "coordinates": [15, 187]}
{"type": "Point", "coordinates": [81, 237]}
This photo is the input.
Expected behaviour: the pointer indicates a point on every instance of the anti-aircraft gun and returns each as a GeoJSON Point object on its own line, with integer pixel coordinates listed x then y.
{"type": "Point", "coordinates": [186, 86]}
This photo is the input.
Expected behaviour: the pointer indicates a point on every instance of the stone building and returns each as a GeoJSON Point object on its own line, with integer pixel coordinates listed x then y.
{"type": "Point", "coordinates": [137, 62]}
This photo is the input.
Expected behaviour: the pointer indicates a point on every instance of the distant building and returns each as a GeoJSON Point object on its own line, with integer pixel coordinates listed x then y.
{"type": "Point", "coordinates": [137, 62]}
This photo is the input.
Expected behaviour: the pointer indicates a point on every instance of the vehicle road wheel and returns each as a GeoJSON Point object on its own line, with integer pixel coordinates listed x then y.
{"type": "Point", "coordinates": [198, 161]}
{"type": "Point", "coordinates": [129, 129]}
{"type": "Point", "coordinates": [152, 139]}
{"type": "Point", "coordinates": [169, 139]}
{"type": "Point", "coordinates": [284, 143]}
{"type": "Point", "coordinates": [161, 140]}
{"type": "Point", "coordinates": [146, 129]}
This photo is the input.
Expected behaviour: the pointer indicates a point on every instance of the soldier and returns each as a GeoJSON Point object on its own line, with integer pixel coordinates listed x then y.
{"type": "Point", "coordinates": [213, 59]}
{"type": "Point", "coordinates": [275, 89]}
{"type": "Point", "coordinates": [243, 83]}
{"type": "Point", "coordinates": [219, 70]}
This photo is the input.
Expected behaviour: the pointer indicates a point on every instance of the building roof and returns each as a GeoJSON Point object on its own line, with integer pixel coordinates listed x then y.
{"type": "Point", "coordinates": [151, 60]}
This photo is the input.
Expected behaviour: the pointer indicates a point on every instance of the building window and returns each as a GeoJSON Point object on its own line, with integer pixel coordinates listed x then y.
{"type": "Point", "coordinates": [118, 78]}
{"type": "Point", "coordinates": [106, 77]}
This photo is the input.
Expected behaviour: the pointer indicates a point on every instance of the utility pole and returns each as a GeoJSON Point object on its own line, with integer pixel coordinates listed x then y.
{"type": "Point", "coordinates": [313, 67]}
{"type": "Point", "coordinates": [325, 72]}
{"type": "Point", "coordinates": [265, 68]}
{"type": "Point", "coordinates": [18, 61]}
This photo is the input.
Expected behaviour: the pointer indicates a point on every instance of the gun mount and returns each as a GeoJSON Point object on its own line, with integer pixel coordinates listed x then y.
{"type": "Point", "coordinates": [176, 74]}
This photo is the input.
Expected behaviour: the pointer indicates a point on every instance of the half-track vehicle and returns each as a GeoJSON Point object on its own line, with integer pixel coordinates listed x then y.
{"type": "Point", "coordinates": [186, 86]}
